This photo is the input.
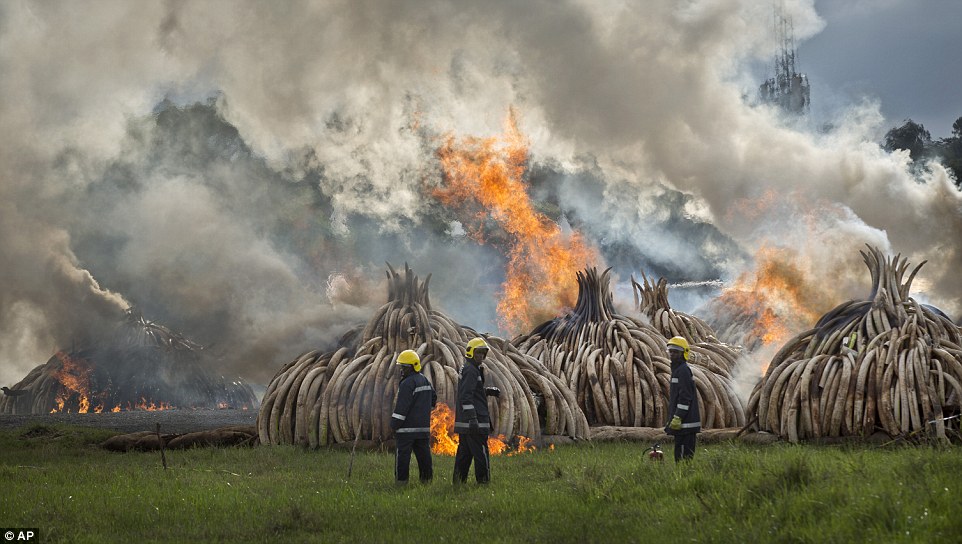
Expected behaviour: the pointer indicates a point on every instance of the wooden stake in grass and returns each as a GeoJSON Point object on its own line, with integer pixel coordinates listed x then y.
{"type": "Point", "coordinates": [350, 465]}
{"type": "Point", "coordinates": [160, 440]}
{"type": "Point", "coordinates": [747, 426]}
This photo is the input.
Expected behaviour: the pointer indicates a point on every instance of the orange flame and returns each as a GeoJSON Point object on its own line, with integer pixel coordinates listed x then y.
{"type": "Point", "coordinates": [524, 445]}
{"type": "Point", "coordinates": [497, 445]}
{"type": "Point", "coordinates": [778, 295]}
{"type": "Point", "coordinates": [540, 280]}
{"type": "Point", "coordinates": [445, 442]}
{"type": "Point", "coordinates": [152, 406]}
{"type": "Point", "coordinates": [74, 378]}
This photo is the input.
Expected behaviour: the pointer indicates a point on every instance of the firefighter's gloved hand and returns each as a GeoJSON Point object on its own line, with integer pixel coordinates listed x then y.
{"type": "Point", "coordinates": [473, 425]}
{"type": "Point", "coordinates": [492, 392]}
{"type": "Point", "coordinates": [675, 424]}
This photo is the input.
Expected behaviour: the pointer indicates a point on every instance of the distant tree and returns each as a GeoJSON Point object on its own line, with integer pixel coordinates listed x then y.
{"type": "Point", "coordinates": [913, 137]}
{"type": "Point", "coordinates": [955, 165]}
{"type": "Point", "coordinates": [949, 151]}
{"type": "Point", "coordinates": [910, 136]}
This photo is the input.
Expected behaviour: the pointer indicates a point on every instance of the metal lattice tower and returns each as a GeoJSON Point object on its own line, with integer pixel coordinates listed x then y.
{"type": "Point", "coordinates": [788, 89]}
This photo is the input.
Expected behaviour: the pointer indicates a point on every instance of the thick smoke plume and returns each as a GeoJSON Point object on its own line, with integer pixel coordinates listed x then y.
{"type": "Point", "coordinates": [240, 171]}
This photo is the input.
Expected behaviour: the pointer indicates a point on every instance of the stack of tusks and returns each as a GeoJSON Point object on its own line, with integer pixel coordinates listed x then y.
{"type": "Point", "coordinates": [651, 299]}
{"type": "Point", "coordinates": [323, 398]}
{"type": "Point", "coordinates": [618, 365]}
{"type": "Point", "coordinates": [886, 362]}
{"type": "Point", "coordinates": [36, 392]}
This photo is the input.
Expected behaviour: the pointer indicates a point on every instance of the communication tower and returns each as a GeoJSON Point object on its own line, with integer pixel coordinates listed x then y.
{"type": "Point", "coordinates": [788, 89]}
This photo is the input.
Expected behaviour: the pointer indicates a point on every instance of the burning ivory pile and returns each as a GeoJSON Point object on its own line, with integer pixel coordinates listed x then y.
{"type": "Point", "coordinates": [707, 352]}
{"type": "Point", "coordinates": [651, 299]}
{"type": "Point", "coordinates": [619, 367]}
{"type": "Point", "coordinates": [323, 398]}
{"type": "Point", "coordinates": [141, 366]}
{"type": "Point", "coordinates": [886, 362]}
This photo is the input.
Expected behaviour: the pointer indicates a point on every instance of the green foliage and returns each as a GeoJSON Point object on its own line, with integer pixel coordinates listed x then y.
{"type": "Point", "coordinates": [913, 137]}
{"type": "Point", "coordinates": [59, 480]}
{"type": "Point", "coordinates": [950, 151]}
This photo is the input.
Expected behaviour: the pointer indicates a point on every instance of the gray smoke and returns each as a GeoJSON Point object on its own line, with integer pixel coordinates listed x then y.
{"type": "Point", "coordinates": [237, 221]}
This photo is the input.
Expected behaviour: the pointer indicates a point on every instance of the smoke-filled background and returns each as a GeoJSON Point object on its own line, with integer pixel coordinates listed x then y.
{"type": "Point", "coordinates": [240, 171]}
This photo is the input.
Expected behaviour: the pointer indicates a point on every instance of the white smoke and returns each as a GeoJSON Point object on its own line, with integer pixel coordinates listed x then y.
{"type": "Point", "coordinates": [352, 98]}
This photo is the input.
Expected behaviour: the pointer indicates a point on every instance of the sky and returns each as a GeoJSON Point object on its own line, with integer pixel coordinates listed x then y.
{"type": "Point", "coordinates": [313, 155]}
{"type": "Point", "coordinates": [900, 53]}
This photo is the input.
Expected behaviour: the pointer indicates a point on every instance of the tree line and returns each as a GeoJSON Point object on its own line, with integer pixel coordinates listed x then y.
{"type": "Point", "coordinates": [913, 137]}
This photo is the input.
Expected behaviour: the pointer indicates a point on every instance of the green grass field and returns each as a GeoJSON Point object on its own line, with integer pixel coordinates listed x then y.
{"type": "Point", "coordinates": [57, 479]}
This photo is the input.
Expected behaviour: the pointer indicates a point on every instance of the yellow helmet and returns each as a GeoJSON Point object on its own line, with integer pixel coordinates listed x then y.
{"type": "Point", "coordinates": [474, 344]}
{"type": "Point", "coordinates": [678, 343]}
{"type": "Point", "coordinates": [409, 357]}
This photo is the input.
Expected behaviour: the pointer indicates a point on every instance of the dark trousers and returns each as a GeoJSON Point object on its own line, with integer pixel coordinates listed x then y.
{"type": "Point", "coordinates": [472, 447]}
{"type": "Point", "coordinates": [402, 459]}
{"type": "Point", "coordinates": [684, 446]}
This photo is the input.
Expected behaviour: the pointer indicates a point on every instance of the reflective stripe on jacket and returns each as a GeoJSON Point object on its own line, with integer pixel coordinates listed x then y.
{"type": "Point", "coordinates": [683, 401]}
{"type": "Point", "coordinates": [412, 412]}
{"type": "Point", "coordinates": [472, 403]}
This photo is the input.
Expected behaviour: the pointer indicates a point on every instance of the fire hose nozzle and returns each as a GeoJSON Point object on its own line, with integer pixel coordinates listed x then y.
{"type": "Point", "coordinates": [936, 420]}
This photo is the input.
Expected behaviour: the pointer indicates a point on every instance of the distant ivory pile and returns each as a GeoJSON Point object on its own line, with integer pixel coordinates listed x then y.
{"type": "Point", "coordinates": [886, 362]}
{"type": "Point", "coordinates": [651, 299]}
{"type": "Point", "coordinates": [618, 365]}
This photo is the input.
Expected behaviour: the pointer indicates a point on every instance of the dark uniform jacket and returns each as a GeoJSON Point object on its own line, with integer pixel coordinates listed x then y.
{"type": "Point", "coordinates": [472, 401]}
{"type": "Point", "coordinates": [683, 401]}
{"type": "Point", "coordinates": [412, 413]}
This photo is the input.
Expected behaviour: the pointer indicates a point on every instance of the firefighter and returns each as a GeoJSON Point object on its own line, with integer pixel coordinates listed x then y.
{"type": "Point", "coordinates": [684, 418]}
{"type": "Point", "coordinates": [411, 420]}
{"type": "Point", "coordinates": [472, 420]}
